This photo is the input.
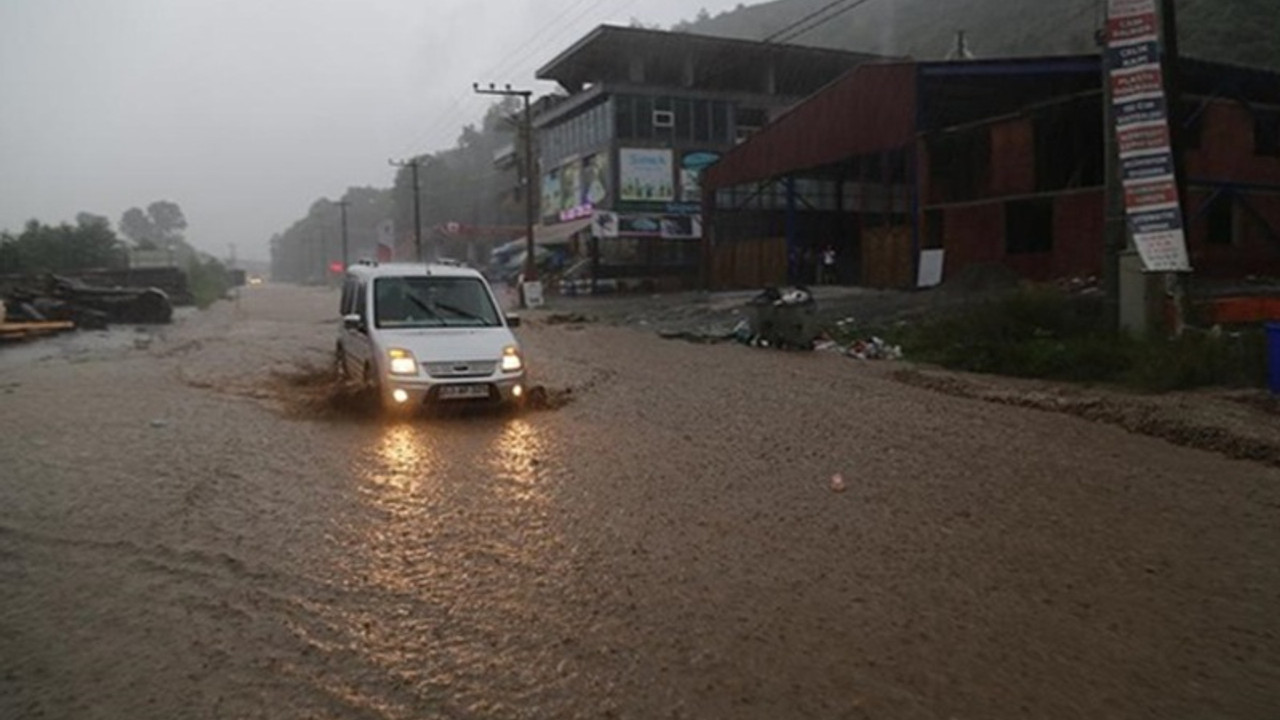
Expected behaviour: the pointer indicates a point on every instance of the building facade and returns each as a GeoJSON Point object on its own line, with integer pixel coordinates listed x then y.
{"type": "Point", "coordinates": [916, 171]}
{"type": "Point", "coordinates": [645, 112]}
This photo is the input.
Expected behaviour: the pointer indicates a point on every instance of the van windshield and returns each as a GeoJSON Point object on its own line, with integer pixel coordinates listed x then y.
{"type": "Point", "coordinates": [414, 302]}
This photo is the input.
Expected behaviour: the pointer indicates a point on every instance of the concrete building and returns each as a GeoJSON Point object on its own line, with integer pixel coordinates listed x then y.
{"type": "Point", "coordinates": [644, 113]}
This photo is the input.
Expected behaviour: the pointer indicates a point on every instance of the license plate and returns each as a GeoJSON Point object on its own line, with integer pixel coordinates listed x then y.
{"type": "Point", "coordinates": [464, 392]}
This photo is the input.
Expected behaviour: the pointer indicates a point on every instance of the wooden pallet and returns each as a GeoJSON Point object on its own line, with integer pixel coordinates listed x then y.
{"type": "Point", "coordinates": [12, 331]}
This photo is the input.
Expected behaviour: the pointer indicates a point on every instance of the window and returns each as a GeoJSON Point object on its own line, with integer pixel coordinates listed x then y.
{"type": "Point", "coordinates": [1028, 227]}
{"type": "Point", "coordinates": [1266, 133]}
{"type": "Point", "coordinates": [720, 122]}
{"type": "Point", "coordinates": [935, 230]}
{"type": "Point", "coordinates": [959, 165]}
{"type": "Point", "coordinates": [625, 117]}
{"type": "Point", "coordinates": [362, 303]}
{"type": "Point", "coordinates": [1191, 115]}
{"type": "Point", "coordinates": [406, 302]}
{"type": "Point", "coordinates": [664, 119]}
{"type": "Point", "coordinates": [1221, 221]}
{"type": "Point", "coordinates": [644, 118]}
{"type": "Point", "coordinates": [751, 117]}
{"type": "Point", "coordinates": [1069, 146]}
{"type": "Point", "coordinates": [347, 306]}
{"type": "Point", "coordinates": [873, 168]}
{"type": "Point", "coordinates": [701, 121]}
{"type": "Point", "coordinates": [684, 120]}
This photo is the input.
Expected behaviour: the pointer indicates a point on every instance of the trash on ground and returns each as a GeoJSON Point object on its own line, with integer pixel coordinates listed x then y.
{"type": "Point", "coordinates": [873, 349]}
{"type": "Point", "coordinates": [568, 319]}
{"type": "Point", "coordinates": [837, 483]}
{"type": "Point", "coordinates": [781, 318]}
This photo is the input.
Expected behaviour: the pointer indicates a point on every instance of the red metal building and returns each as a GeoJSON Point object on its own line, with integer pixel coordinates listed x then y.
{"type": "Point", "coordinates": [980, 162]}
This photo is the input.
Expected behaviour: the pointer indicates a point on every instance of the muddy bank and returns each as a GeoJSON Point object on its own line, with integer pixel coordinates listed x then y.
{"type": "Point", "coordinates": [1232, 424]}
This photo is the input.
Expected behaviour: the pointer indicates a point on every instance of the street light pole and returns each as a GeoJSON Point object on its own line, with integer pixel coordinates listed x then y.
{"type": "Point", "coordinates": [346, 260]}
{"type": "Point", "coordinates": [417, 203]}
{"type": "Point", "coordinates": [530, 209]}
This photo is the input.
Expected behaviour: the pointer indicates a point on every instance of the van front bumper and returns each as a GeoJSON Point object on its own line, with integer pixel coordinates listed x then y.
{"type": "Point", "coordinates": [414, 392]}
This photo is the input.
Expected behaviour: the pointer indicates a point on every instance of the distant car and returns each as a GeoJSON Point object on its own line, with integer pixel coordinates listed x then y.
{"type": "Point", "coordinates": [423, 334]}
{"type": "Point", "coordinates": [255, 280]}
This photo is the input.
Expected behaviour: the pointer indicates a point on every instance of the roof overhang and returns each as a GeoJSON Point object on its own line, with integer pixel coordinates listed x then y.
{"type": "Point", "coordinates": [578, 65]}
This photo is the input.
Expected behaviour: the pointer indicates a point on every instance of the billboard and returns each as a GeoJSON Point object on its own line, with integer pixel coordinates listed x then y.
{"type": "Point", "coordinates": [646, 175]}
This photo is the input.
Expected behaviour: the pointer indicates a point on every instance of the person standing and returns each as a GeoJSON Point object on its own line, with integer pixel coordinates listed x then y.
{"type": "Point", "coordinates": [829, 265]}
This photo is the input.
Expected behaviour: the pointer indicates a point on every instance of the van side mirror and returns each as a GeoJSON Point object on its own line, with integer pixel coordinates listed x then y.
{"type": "Point", "coordinates": [513, 321]}
{"type": "Point", "coordinates": [353, 322]}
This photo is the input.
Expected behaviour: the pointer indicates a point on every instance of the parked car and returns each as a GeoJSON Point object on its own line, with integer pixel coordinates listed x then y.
{"type": "Point", "coordinates": [423, 334]}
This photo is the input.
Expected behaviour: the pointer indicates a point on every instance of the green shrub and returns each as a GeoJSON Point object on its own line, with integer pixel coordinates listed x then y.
{"type": "Point", "coordinates": [1045, 333]}
{"type": "Point", "coordinates": [209, 281]}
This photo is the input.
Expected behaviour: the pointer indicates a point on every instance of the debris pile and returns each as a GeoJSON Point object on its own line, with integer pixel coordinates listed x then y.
{"type": "Point", "coordinates": [784, 319]}
{"type": "Point", "coordinates": [58, 304]}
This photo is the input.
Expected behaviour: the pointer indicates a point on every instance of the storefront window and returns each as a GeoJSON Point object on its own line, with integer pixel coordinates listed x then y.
{"type": "Point", "coordinates": [644, 118]}
{"type": "Point", "coordinates": [701, 121]}
{"type": "Point", "coordinates": [624, 116]}
{"type": "Point", "coordinates": [720, 122]}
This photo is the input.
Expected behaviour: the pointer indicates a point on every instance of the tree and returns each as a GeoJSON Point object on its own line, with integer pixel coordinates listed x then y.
{"type": "Point", "coordinates": [43, 248]}
{"type": "Point", "coordinates": [160, 226]}
{"type": "Point", "coordinates": [88, 219]}
{"type": "Point", "coordinates": [168, 221]}
{"type": "Point", "coordinates": [136, 226]}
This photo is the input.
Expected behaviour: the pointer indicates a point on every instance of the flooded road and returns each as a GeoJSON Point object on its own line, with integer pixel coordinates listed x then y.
{"type": "Point", "coordinates": [184, 534]}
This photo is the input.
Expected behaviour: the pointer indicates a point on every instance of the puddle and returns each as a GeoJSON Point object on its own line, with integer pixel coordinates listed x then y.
{"type": "Point", "coordinates": [312, 392]}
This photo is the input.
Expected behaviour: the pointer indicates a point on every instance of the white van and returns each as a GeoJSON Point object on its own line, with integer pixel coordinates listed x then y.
{"type": "Point", "coordinates": [418, 334]}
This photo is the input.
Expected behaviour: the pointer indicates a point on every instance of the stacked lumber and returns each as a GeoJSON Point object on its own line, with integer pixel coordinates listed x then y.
{"type": "Point", "coordinates": [15, 331]}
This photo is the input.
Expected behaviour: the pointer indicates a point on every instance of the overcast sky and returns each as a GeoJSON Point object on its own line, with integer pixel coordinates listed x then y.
{"type": "Point", "coordinates": [245, 111]}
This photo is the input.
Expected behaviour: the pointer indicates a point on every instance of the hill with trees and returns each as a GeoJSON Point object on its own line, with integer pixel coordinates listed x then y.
{"type": "Point", "coordinates": [1245, 32]}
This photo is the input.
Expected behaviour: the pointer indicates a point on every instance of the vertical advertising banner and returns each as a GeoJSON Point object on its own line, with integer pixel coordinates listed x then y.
{"type": "Point", "coordinates": [1142, 130]}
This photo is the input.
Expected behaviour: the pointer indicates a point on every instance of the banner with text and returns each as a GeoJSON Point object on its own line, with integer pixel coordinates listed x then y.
{"type": "Point", "coordinates": [1142, 131]}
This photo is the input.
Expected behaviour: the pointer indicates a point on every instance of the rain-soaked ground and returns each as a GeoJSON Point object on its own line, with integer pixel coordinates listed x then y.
{"type": "Point", "coordinates": [192, 524]}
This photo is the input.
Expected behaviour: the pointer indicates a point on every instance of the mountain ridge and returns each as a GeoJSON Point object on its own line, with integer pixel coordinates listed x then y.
{"type": "Point", "coordinates": [1240, 32]}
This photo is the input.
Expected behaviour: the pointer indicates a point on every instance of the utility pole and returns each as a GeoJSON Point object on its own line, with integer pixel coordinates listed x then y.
{"type": "Point", "coordinates": [346, 260]}
{"type": "Point", "coordinates": [1177, 281]}
{"type": "Point", "coordinates": [417, 203]}
{"type": "Point", "coordinates": [1115, 225]}
{"type": "Point", "coordinates": [530, 209]}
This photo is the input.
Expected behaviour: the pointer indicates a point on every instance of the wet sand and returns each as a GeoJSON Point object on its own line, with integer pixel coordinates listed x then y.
{"type": "Point", "coordinates": [183, 535]}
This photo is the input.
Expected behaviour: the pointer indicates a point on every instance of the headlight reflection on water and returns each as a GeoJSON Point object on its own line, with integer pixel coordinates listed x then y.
{"type": "Point", "coordinates": [454, 529]}
{"type": "Point", "coordinates": [404, 460]}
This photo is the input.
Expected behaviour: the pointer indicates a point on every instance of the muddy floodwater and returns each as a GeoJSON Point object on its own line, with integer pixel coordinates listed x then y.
{"type": "Point", "coordinates": [192, 526]}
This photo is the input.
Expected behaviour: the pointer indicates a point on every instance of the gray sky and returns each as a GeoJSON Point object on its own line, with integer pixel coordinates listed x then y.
{"type": "Point", "coordinates": [245, 111]}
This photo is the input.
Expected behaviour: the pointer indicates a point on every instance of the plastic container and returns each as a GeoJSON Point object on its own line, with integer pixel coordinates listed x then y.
{"type": "Point", "coordinates": [1273, 357]}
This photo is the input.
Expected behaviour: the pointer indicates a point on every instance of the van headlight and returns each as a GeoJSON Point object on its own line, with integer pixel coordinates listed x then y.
{"type": "Point", "coordinates": [511, 361]}
{"type": "Point", "coordinates": [402, 362]}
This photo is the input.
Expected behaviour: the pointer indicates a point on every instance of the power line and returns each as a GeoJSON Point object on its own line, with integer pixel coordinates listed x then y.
{"type": "Point", "coordinates": [829, 18]}
{"type": "Point", "coordinates": [783, 31]}
{"type": "Point", "coordinates": [454, 111]}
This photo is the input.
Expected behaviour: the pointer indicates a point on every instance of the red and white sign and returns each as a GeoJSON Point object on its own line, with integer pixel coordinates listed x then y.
{"type": "Point", "coordinates": [1142, 131]}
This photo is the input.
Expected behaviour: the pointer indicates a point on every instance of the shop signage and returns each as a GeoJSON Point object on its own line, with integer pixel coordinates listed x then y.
{"type": "Point", "coordinates": [645, 175]}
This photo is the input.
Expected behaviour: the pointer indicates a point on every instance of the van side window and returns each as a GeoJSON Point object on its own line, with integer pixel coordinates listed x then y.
{"type": "Point", "coordinates": [347, 304]}
{"type": "Point", "coordinates": [362, 303]}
